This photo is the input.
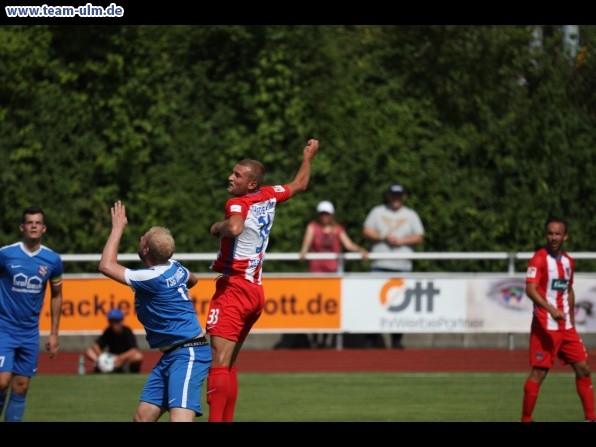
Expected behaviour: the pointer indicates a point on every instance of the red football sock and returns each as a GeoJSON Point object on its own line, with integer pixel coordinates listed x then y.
{"type": "Point", "coordinates": [531, 389]}
{"type": "Point", "coordinates": [228, 413]}
{"type": "Point", "coordinates": [218, 388]}
{"type": "Point", "coordinates": [586, 394]}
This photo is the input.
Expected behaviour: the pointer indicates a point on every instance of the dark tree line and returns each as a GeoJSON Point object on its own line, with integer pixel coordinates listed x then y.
{"type": "Point", "coordinates": [488, 131]}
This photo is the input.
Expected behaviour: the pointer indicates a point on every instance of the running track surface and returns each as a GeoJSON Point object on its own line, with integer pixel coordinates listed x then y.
{"type": "Point", "coordinates": [349, 360]}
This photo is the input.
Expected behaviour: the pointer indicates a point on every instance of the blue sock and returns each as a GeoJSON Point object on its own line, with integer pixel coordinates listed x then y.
{"type": "Point", "coordinates": [2, 400]}
{"type": "Point", "coordinates": [15, 408]}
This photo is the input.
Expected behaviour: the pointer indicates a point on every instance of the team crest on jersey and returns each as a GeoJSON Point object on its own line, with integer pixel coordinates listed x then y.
{"type": "Point", "coordinates": [235, 208]}
{"type": "Point", "coordinates": [531, 273]}
{"type": "Point", "coordinates": [278, 188]}
{"type": "Point", "coordinates": [42, 270]}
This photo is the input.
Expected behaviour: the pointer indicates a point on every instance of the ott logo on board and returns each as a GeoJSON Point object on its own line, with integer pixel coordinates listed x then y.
{"type": "Point", "coordinates": [395, 296]}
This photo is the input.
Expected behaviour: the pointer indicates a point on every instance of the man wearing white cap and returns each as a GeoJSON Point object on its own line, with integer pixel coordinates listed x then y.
{"type": "Point", "coordinates": [393, 228]}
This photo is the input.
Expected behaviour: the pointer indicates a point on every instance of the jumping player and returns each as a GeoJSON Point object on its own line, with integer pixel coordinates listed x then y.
{"type": "Point", "coordinates": [239, 298]}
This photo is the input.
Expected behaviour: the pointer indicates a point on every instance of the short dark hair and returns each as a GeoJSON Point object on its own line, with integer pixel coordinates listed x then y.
{"type": "Point", "coordinates": [257, 170]}
{"type": "Point", "coordinates": [556, 219]}
{"type": "Point", "coordinates": [33, 210]}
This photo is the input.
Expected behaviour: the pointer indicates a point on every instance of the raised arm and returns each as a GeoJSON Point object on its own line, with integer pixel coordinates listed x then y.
{"type": "Point", "coordinates": [300, 182]}
{"type": "Point", "coordinates": [108, 264]}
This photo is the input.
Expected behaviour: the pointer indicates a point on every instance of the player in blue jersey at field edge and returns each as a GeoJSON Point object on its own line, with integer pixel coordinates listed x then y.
{"type": "Point", "coordinates": [164, 308]}
{"type": "Point", "coordinates": [26, 268]}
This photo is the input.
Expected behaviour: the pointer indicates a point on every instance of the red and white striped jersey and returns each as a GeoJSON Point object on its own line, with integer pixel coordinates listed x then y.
{"type": "Point", "coordinates": [243, 255]}
{"type": "Point", "coordinates": [554, 278]}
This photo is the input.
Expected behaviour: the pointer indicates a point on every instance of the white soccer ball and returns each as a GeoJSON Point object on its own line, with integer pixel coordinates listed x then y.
{"type": "Point", "coordinates": [105, 362]}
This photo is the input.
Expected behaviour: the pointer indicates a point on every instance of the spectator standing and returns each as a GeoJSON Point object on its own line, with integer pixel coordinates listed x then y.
{"type": "Point", "coordinates": [167, 313]}
{"type": "Point", "coordinates": [239, 297]}
{"type": "Point", "coordinates": [549, 284]}
{"type": "Point", "coordinates": [392, 227]}
{"type": "Point", "coordinates": [26, 268]}
{"type": "Point", "coordinates": [117, 339]}
{"type": "Point", "coordinates": [325, 235]}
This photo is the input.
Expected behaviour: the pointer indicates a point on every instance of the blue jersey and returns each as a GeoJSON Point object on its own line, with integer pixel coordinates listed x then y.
{"type": "Point", "coordinates": [23, 280]}
{"type": "Point", "coordinates": [163, 304]}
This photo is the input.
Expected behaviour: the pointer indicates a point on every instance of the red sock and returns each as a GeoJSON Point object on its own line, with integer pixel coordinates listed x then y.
{"type": "Point", "coordinates": [531, 389]}
{"type": "Point", "coordinates": [228, 413]}
{"type": "Point", "coordinates": [218, 388]}
{"type": "Point", "coordinates": [586, 394]}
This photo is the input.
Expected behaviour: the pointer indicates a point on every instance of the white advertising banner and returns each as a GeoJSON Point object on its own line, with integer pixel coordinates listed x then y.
{"type": "Point", "coordinates": [499, 305]}
{"type": "Point", "coordinates": [404, 305]}
{"type": "Point", "coordinates": [585, 304]}
{"type": "Point", "coordinates": [503, 306]}
{"type": "Point", "coordinates": [418, 305]}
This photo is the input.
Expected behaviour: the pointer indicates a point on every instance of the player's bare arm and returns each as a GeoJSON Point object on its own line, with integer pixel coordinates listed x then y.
{"type": "Point", "coordinates": [108, 265]}
{"type": "Point", "coordinates": [300, 182]}
{"type": "Point", "coordinates": [571, 300]}
{"type": "Point", "coordinates": [534, 295]}
{"type": "Point", "coordinates": [231, 227]}
{"type": "Point", "coordinates": [52, 343]}
{"type": "Point", "coordinates": [192, 280]}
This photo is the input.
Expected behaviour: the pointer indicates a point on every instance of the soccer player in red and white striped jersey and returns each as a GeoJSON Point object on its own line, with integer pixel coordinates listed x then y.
{"type": "Point", "coordinates": [239, 298]}
{"type": "Point", "coordinates": [549, 284]}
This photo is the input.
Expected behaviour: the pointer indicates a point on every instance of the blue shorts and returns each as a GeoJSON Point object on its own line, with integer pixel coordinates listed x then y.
{"type": "Point", "coordinates": [19, 353]}
{"type": "Point", "coordinates": [177, 379]}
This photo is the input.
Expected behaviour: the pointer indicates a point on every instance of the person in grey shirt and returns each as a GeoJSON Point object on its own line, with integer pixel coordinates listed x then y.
{"type": "Point", "coordinates": [392, 227]}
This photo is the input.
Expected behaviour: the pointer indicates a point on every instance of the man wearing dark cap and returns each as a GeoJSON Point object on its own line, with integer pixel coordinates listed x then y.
{"type": "Point", "coordinates": [393, 228]}
{"type": "Point", "coordinates": [117, 339]}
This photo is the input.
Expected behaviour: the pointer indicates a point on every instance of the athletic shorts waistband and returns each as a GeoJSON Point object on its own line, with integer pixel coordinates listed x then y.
{"type": "Point", "coordinates": [192, 343]}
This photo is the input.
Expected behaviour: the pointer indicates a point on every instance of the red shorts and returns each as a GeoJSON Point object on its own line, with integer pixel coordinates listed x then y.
{"type": "Point", "coordinates": [234, 308]}
{"type": "Point", "coordinates": [545, 346]}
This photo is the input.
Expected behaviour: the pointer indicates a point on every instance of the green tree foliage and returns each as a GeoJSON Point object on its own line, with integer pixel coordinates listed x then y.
{"type": "Point", "coordinates": [488, 131]}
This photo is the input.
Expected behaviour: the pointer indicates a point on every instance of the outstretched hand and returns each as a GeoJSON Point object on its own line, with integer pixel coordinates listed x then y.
{"type": "Point", "coordinates": [119, 220]}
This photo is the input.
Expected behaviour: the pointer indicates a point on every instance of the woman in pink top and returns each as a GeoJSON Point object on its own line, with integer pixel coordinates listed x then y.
{"type": "Point", "coordinates": [325, 235]}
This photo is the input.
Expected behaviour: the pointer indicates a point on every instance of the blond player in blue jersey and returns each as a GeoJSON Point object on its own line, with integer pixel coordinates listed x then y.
{"type": "Point", "coordinates": [167, 313]}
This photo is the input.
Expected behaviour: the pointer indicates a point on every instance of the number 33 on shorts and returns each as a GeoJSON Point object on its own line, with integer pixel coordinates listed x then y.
{"type": "Point", "coordinates": [213, 317]}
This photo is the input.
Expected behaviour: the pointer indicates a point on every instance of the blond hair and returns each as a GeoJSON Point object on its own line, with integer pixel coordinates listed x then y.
{"type": "Point", "coordinates": [160, 243]}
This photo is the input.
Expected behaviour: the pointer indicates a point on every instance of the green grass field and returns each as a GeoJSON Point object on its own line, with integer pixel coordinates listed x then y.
{"type": "Point", "coordinates": [321, 397]}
